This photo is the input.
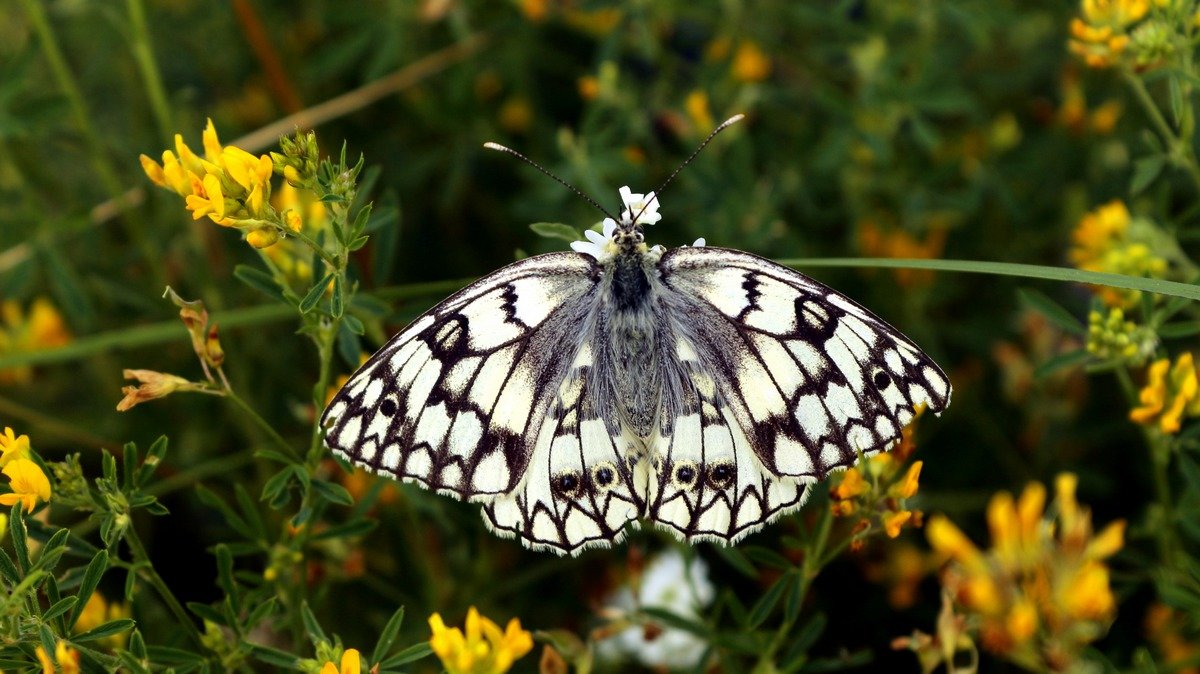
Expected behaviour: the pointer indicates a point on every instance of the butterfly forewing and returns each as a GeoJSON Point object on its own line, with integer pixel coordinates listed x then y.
{"type": "Point", "coordinates": [812, 378]}
{"type": "Point", "coordinates": [455, 401]}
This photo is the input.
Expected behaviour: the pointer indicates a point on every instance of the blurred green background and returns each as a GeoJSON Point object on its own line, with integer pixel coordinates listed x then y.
{"type": "Point", "coordinates": [890, 128]}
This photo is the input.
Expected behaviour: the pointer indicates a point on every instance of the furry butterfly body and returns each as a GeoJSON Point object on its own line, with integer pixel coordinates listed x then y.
{"type": "Point", "coordinates": [574, 394]}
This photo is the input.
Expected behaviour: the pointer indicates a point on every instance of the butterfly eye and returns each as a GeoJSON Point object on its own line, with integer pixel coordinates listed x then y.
{"type": "Point", "coordinates": [882, 379]}
{"type": "Point", "coordinates": [566, 485]}
{"type": "Point", "coordinates": [684, 474]}
{"type": "Point", "coordinates": [720, 475]}
{"type": "Point", "coordinates": [604, 475]}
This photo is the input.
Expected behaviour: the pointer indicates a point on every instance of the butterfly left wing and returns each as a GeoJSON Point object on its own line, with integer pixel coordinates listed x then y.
{"type": "Point", "coordinates": [810, 376]}
{"type": "Point", "coordinates": [455, 401]}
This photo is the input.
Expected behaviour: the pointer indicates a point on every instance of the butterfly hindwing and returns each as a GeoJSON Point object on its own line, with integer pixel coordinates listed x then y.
{"type": "Point", "coordinates": [580, 488]}
{"type": "Point", "coordinates": [812, 377]}
{"type": "Point", "coordinates": [708, 483]}
{"type": "Point", "coordinates": [455, 401]}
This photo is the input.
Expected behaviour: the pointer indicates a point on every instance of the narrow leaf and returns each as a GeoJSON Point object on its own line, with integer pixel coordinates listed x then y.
{"type": "Point", "coordinates": [91, 578]}
{"type": "Point", "coordinates": [556, 230]}
{"type": "Point", "coordinates": [388, 636]}
{"type": "Point", "coordinates": [1052, 310]}
{"type": "Point", "coordinates": [316, 292]}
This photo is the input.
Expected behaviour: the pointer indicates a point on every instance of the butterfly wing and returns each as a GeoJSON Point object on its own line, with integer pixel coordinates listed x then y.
{"type": "Point", "coordinates": [811, 377]}
{"type": "Point", "coordinates": [708, 482]}
{"type": "Point", "coordinates": [456, 401]}
{"type": "Point", "coordinates": [581, 488]}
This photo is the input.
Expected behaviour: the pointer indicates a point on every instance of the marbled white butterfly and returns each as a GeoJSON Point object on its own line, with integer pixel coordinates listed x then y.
{"type": "Point", "coordinates": [573, 394]}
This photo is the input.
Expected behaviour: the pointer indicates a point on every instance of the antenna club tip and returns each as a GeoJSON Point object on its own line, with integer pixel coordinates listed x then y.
{"type": "Point", "coordinates": [733, 120]}
{"type": "Point", "coordinates": [495, 146]}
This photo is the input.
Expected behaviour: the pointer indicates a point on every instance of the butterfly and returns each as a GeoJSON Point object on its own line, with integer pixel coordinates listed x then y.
{"type": "Point", "coordinates": [574, 394]}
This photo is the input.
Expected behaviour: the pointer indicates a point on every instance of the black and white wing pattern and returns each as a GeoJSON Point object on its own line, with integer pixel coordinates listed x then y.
{"type": "Point", "coordinates": [801, 377]}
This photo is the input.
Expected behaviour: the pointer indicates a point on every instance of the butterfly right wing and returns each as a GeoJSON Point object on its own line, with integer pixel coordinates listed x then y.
{"type": "Point", "coordinates": [456, 401]}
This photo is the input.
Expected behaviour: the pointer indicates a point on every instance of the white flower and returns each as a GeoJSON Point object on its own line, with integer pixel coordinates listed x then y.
{"type": "Point", "coordinates": [634, 203]}
{"type": "Point", "coordinates": [597, 244]}
{"type": "Point", "coordinates": [699, 243]}
{"type": "Point", "coordinates": [669, 583]}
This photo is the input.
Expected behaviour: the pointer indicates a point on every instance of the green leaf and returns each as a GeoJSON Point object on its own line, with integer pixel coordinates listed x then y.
{"type": "Point", "coordinates": [1176, 95]}
{"type": "Point", "coordinates": [225, 576]}
{"type": "Point", "coordinates": [556, 230]}
{"type": "Point", "coordinates": [334, 493]}
{"type": "Point", "coordinates": [337, 302]}
{"type": "Point", "coordinates": [1150, 285]}
{"type": "Point", "coordinates": [166, 655]}
{"type": "Point", "coordinates": [388, 636]}
{"type": "Point", "coordinates": [1145, 170]}
{"type": "Point", "coordinates": [670, 619]}
{"type": "Point", "coordinates": [311, 626]}
{"type": "Point", "coordinates": [1062, 361]}
{"type": "Point", "coordinates": [67, 287]}
{"type": "Point", "coordinates": [316, 292]}
{"type": "Point", "coordinates": [91, 579]}
{"type": "Point", "coordinates": [233, 519]}
{"type": "Point", "coordinates": [1052, 310]}
{"type": "Point", "coordinates": [766, 604]}
{"type": "Point", "coordinates": [410, 654]}
{"type": "Point", "coordinates": [259, 280]}
{"type": "Point", "coordinates": [206, 612]}
{"type": "Point", "coordinates": [353, 324]}
{"type": "Point", "coordinates": [59, 607]}
{"type": "Point", "coordinates": [20, 539]}
{"type": "Point", "coordinates": [274, 656]}
{"type": "Point", "coordinates": [738, 560]}
{"type": "Point", "coordinates": [106, 630]}
{"type": "Point", "coordinates": [1181, 329]}
{"type": "Point", "coordinates": [347, 530]}
{"type": "Point", "coordinates": [767, 557]}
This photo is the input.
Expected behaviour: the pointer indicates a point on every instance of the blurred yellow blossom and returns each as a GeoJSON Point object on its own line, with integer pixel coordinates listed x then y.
{"type": "Point", "coordinates": [98, 611]}
{"type": "Point", "coordinates": [750, 64]}
{"type": "Point", "coordinates": [28, 483]}
{"type": "Point", "coordinates": [877, 488]}
{"type": "Point", "coordinates": [13, 446]}
{"type": "Point", "coordinates": [41, 328]}
{"type": "Point", "coordinates": [1170, 394]}
{"type": "Point", "coordinates": [1099, 35]}
{"type": "Point", "coordinates": [351, 663]}
{"type": "Point", "coordinates": [877, 241]}
{"type": "Point", "coordinates": [1041, 594]}
{"type": "Point", "coordinates": [1165, 629]}
{"type": "Point", "coordinates": [696, 105]}
{"type": "Point", "coordinates": [482, 649]}
{"type": "Point", "coordinates": [1105, 240]}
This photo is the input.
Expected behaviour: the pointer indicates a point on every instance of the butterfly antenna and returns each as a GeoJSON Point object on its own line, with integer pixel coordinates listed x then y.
{"type": "Point", "coordinates": [724, 125]}
{"type": "Point", "coordinates": [500, 148]}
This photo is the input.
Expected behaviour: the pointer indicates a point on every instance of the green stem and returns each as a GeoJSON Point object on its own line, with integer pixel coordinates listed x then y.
{"type": "Point", "coordinates": [311, 243]}
{"type": "Point", "coordinates": [143, 55]}
{"type": "Point", "coordinates": [83, 120]}
{"type": "Point", "coordinates": [261, 423]}
{"type": "Point", "coordinates": [814, 560]}
{"type": "Point", "coordinates": [1160, 459]}
{"type": "Point", "coordinates": [1181, 152]}
{"type": "Point", "coordinates": [147, 573]}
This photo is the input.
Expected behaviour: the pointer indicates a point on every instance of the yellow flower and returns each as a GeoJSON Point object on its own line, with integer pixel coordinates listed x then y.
{"type": "Point", "coordinates": [852, 484]}
{"type": "Point", "coordinates": [895, 521]}
{"type": "Point", "coordinates": [13, 446]}
{"type": "Point", "coordinates": [1099, 35]}
{"type": "Point", "coordinates": [946, 538]}
{"type": "Point", "coordinates": [483, 649]}
{"type": "Point", "coordinates": [28, 483]}
{"type": "Point", "coordinates": [696, 105]}
{"type": "Point", "coordinates": [589, 87]}
{"type": "Point", "coordinates": [41, 328]}
{"type": "Point", "coordinates": [1088, 596]}
{"type": "Point", "coordinates": [1022, 621]}
{"type": "Point", "coordinates": [67, 657]}
{"type": "Point", "coordinates": [44, 659]}
{"type": "Point", "coordinates": [1114, 13]}
{"type": "Point", "coordinates": [1097, 231]}
{"type": "Point", "coordinates": [907, 487]}
{"type": "Point", "coordinates": [98, 611]}
{"type": "Point", "coordinates": [1105, 241]}
{"type": "Point", "coordinates": [351, 664]}
{"type": "Point", "coordinates": [877, 241]}
{"type": "Point", "coordinates": [750, 64]}
{"type": "Point", "coordinates": [1171, 392]}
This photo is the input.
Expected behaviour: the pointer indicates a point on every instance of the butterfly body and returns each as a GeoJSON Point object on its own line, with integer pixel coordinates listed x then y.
{"type": "Point", "coordinates": [574, 394]}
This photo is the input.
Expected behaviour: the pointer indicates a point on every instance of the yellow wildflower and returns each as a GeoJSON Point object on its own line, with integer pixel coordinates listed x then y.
{"type": "Point", "coordinates": [1041, 594]}
{"type": "Point", "coordinates": [44, 659]}
{"type": "Point", "coordinates": [589, 87]}
{"type": "Point", "coordinates": [483, 649]}
{"type": "Point", "coordinates": [13, 446]}
{"type": "Point", "coordinates": [907, 487]}
{"type": "Point", "coordinates": [1165, 628]}
{"type": "Point", "coordinates": [351, 664]}
{"type": "Point", "coordinates": [1097, 231]}
{"type": "Point", "coordinates": [1171, 392]}
{"type": "Point", "coordinates": [515, 115]}
{"type": "Point", "coordinates": [1105, 241]}
{"type": "Point", "coordinates": [877, 241]}
{"type": "Point", "coordinates": [1099, 36]}
{"type": "Point", "coordinates": [696, 105]}
{"type": "Point", "coordinates": [28, 483]}
{"type": "Point", "coordinates": [852, 484]}
{"type": "Point", "coordinates": [750, 64]}
{"type": "Point", "coordinates": [98, 611]}
{"type": "Point", "coordinates": [893, 522]}
{"type": "Point", "coordinates": [3, 525]}
{"type": "Point", "coordinates": [67, 657]}
{"type": "Point", "coordinates": [43, 327]}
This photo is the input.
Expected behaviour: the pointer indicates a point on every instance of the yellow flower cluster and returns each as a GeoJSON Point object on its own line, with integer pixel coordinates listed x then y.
{"type": "Point", "coordinates": [41, 328]}
{"type": "Point", "coordinates": [1111, 337]}
{"type": "Point", "coordinates": [28, 484]}
{"type": "Point", "coordinates": [1171, 393]}
{"type": "Point", "coordinates": [1103, 242]}
{"type": "Point", "coordinates": [351, 663]}
{"type": "Point", "coordinates": [1041, 593]}
{"type": "Point", "coordinates": [877, 489]}
{"type": "Point", "coordinates": [483, 649]}
{"type": "Point", "coordinates": [301, 211]}
{"type": "Point", "coordinates": [229, 185]}
{"type": "Point", "coordinates": [1100, 34]}
{"type": "Point", "coordinates": [66, 657]}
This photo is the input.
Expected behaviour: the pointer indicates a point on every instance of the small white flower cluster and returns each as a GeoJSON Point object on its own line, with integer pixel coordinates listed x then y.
{"type": "Point", "coordinates": [672, 583]}
{"type": "Point", "coordinates": [644, 207]}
